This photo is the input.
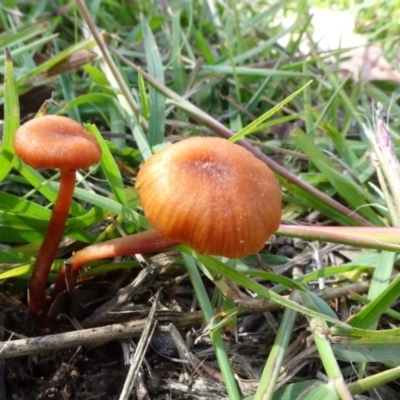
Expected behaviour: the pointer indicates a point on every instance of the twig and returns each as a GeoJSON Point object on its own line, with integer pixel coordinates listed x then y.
{"type": "Point", "coordinates": [93, 336]}
{"type": "Point", "coordinates": [137, 358]}
{"type": "Point", "coordinates": [122, 297]}
{"type": "Point", "coordinates": [189, 358]}
{"type": "Point", "coordinates": [97, 336]}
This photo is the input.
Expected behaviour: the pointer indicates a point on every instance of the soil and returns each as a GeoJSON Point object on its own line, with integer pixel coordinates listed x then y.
{"type": "Point", "coordinates": [100, 371]}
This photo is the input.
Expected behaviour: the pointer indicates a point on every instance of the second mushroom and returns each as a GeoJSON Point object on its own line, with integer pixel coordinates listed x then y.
{"type": "Point", "coordinates": [53, 142]}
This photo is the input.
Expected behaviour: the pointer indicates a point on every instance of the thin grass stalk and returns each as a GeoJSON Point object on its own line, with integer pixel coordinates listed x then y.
{"type": "Point", "coordinates": [325, 351]}
{"type": "Point", "coordinates": [117, 81]}
{"type": "Point", "coordinates": [386, 160]}
{"type": "Point", "coordinates": [380, 238]}
{"type": "Point", "coordinates": [216, 338]}
{"type": "Point", "coordinates": [107, 57]}
{"type": "Point", "coordinates": [272, 369]}
{"type": "Point", "coordinates": [373, 381]}
{"type": "Point", "coordinates": [386, 194]}
{"type": "Point", "coordinates": [387, 166]}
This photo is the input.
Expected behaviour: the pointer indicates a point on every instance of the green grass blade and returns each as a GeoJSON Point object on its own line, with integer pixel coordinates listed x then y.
{"type": "Point", "coordinates": [10, 204]}
{"type": "Point", "coordinates": [113, 207]}
{"type": "Point", "coordinates": [373, 381]}
{"type": "Point", "coordinates": [11, 117]}
{"type": "Point", "coordinates": [23, 34]}
{"type": "Point", "coordinates": [255, 124]}
{"type": "Point", "coordinates": [320, 331]}
{"type": "Point", "coordinates": [57, 59]}
{"type": "Point", "coordinates": [221, 269]}
{"type": "Point", "coordinates": [252, 72]}
{"type": "Point", "coordinates": [272, 368]}
{"type": "Point", "coordinates": [293, 391]}
{"type": "Point", "coordinates": [156, 99]}
{"type": "Point", "coordinates": [129, 107]}
{"type": "Point", "coordinates": [368, 350]}
{"type": "Point", "coordinates": [144, 101]}
{"type": "Point", "coordinates": [371, 312]}
{"type": "Point", "coordinates": [345, 186]}
{"type": "Point", "coordinates": [382, 275]}
{"type": "Point", "coordinates": [110, 168]}
{"type": "Point", "coordinates": [216, 338]}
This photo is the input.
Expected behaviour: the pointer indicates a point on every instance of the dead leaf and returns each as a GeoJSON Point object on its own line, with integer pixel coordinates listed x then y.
{"type": "Point", "coordinates": [333, 32]}
{"type": "Point", "coordinates": [369, 64]}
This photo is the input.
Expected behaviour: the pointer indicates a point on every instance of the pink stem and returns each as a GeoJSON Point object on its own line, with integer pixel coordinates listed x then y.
{"type": "Point", "coordinates": [378, 237]}
{"type": "Point", "coordinates": [140, 243]}
{"type": "Point", "coordinates": [37, 301]}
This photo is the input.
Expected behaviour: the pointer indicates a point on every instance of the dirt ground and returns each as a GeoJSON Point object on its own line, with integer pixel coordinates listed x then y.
{"type": "Point", "coordinates": [172, 368]}
{"type": "Point", "coordinates": [100, 371]}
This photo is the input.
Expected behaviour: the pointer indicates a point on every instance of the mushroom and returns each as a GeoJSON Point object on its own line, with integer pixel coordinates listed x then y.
{"type": "Point", "coordinates": [53, 142]}
{"type": "Point", "coordinates": [206, 192]}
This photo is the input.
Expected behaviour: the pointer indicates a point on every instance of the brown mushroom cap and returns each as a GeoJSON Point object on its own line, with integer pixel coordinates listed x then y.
{"type": "Point", "coordinates": [54, 141]}
{"type": "Point", "coordinates": [211, 194]}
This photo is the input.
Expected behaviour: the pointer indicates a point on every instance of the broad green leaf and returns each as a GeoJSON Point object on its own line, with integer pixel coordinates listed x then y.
{"type": "Point", "coordinates": [319, 391]}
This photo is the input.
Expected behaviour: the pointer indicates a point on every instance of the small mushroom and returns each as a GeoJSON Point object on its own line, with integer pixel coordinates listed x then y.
{"type": "Point", "coordinates": [206, 192]}
{"type": "Point", "coordinates": [53, 142]}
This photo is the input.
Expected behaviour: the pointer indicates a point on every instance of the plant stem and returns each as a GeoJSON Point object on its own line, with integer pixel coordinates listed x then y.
{"type": "Point", "coordinates": [376, 237]}
{"type": "Point", "coordinates": [215, 334]}
{"type": "Point", "coordinates": [272, 369]}
{"type": "Point", "coordinates": [319, 330]}
{"type": "Point", "coordinates": [37, 302]}
{"type": "Point", "coordinates": [371, 382]}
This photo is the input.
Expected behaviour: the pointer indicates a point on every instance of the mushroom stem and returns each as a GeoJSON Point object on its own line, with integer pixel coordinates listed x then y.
{"type": "Point", "coordinates": [37, 302]}
{"type": "Point", "coordinates": [139, 243]}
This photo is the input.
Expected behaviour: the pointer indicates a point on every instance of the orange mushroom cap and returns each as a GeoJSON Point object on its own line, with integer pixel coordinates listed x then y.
{"type": "Point", "coordinates": [54, 141]}
{"type": "Point", "coordinates": [211, 194]}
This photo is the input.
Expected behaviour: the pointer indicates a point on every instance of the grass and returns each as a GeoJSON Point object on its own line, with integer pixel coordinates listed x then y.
{"type": "Point", "coordinates": [140, 73]}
